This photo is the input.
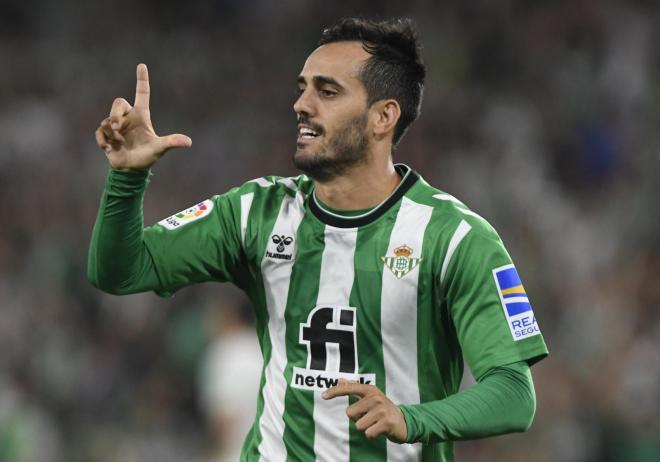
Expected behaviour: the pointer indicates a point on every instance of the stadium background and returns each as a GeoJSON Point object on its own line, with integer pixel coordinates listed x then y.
{"type": "Point", "coordinates": [542, 116]}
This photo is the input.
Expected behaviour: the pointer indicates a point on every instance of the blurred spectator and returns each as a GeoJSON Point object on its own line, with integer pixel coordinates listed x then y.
{"type": "Point", "coordinates": [229, 379]}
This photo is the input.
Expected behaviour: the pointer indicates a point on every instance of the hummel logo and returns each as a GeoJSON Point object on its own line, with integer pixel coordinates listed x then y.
{"type": "Point", "coordinates": [282, 243]}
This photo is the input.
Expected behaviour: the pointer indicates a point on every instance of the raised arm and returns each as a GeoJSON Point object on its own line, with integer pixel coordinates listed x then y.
{"type": "Point", "coordinates": [119, 261]}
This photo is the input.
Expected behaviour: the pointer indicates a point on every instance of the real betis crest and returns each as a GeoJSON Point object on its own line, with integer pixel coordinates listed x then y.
{"type": "Point", "coordinates": [402, 263]}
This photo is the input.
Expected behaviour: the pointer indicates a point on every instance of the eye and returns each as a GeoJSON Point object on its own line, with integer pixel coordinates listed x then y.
{"type": "Point", "coordinates": [327, 93]}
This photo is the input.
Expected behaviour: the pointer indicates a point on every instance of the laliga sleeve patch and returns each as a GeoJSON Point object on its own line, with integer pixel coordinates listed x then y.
{"type": "Point", "coordinates": [188, 216]}
{"type": "Point", "coordinates": [517, 309]}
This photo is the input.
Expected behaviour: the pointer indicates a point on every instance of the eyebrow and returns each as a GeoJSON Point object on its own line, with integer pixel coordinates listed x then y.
{"type": "Point", "coordinates": [321, 80]}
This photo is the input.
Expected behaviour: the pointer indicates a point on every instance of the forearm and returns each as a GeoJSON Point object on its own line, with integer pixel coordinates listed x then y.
{"type": "Point", "coordinates": [502, 402]}
{"type": "Point", "coordinates": [119, 262]}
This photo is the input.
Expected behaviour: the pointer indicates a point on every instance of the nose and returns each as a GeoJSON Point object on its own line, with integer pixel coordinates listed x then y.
{"type": "Point", "coordinates": [304, 104]}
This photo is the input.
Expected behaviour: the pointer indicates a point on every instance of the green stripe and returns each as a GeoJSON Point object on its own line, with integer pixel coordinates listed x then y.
{"type": "Point", "coordinates": [439, 359]}
{"type": "Point", "coordinates": [303, 292]}
{"type": "Point", "coordinates": [371, 245]}
{"type": "Point", "coordinates": [440, 364]}
{"type": "Point", "coordinates": [262, 217]}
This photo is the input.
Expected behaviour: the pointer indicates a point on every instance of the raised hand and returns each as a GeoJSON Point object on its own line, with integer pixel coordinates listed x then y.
{"type": "Point", "coordinates": [127, 136]}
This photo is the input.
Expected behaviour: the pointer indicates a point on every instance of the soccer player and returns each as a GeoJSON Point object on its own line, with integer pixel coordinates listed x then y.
{"type": "Point", "coordinates": [369, 285]}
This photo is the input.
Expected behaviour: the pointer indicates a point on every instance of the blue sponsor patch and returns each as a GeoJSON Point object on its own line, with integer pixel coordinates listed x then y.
{"type": "Point", "coordinates": [508, 278]}
{"type": "Point", "coordinates": [517, 309]}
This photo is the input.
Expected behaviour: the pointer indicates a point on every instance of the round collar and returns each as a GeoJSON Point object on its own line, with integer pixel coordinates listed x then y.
{"type": "Point", "coordinates": [409, 178]}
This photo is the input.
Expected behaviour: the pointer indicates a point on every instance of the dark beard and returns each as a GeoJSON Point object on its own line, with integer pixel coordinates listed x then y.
{"type": "Point", "coordinates": [346, 149]}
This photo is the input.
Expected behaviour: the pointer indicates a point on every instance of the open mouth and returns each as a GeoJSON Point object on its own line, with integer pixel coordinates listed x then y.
{"type": "Point", "coordinates": [307, 134]}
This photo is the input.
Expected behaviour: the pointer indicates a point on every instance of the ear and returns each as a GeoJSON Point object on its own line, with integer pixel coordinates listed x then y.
{"type": "Point", "coordinates": [385, 115]}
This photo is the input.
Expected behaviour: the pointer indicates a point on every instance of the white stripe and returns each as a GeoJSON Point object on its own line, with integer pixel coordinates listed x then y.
{"type": "Point", "coordinates": [462, 207]}
{"type": "Point", "coordinates": [471, 213]}
{"type": "Point", "coordinates": [331, 424]}
{"type": "Point", "coordinates": [276, 276]}
{"type": "Point", "coordinates": [461, 231]}
{"type": "Point", "coordinates": [263, 182]}
{"type": "Point", "coordinates": [398, 318]}
{"type": "Point", "coordinates": [246, 204]}
{"type": "Point", "coordinates": [448, 197]}
{"type": "Point", "coordinates": [289, 183]}
{"type": "Point", "coordinates": [515, 300]}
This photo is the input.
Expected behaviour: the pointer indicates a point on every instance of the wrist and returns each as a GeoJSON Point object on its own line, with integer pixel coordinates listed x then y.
{"type": "Point", "coordinates": [135, 171]}
{"type": "Point", "coordinates": [126, 169]}
{"type": "Point", "coordinates": [411, 428]}
{"type": "Point", "coordinates": [125, 183]}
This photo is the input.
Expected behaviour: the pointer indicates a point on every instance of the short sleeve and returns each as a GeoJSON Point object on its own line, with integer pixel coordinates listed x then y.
{"type": "Point", "coordinates": [199, 244]}
{"type": "Point", "coordinates": [489, 306]}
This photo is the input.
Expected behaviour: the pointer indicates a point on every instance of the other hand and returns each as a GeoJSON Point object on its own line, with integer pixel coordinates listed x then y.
{"type": "Point", "coordinates": [374, 414]}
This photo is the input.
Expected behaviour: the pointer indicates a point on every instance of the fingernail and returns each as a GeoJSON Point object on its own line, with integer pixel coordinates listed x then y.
{"type": "Point", "coordinates": [115, 125]}
{"type": "Point", "coordinates": [324, 395]}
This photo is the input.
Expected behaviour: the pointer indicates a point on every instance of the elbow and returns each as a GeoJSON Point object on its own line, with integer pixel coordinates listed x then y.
{"type": "Point", "coordinates": [92, 276]}
{"type": "Point", "coordinates": [523, 424]}
{"type": "Point", "coordinates": [525, 417]}
{"type": "Point", "coordinates": [103, 284]}
{"type": "Point", "coordinates": [526, 404]}
{"type": "Point", "coordinates": [530, 415]}
{"type": "Point", "coordinates": [93, 273]}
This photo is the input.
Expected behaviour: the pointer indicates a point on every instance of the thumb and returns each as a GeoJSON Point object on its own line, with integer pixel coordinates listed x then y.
{"type": "Point", "coordinates": [175, 141]}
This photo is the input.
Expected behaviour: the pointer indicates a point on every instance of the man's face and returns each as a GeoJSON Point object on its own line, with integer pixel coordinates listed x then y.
{"type": "Point", "coordinates": [332, 111]}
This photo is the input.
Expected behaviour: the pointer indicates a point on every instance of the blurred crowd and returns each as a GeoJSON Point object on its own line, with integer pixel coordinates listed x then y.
{"type": "Point", "coordinates": [542, 116]}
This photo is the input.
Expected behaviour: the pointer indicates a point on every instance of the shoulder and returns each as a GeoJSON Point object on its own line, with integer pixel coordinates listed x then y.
{"type": "Point", "coordinates": [265, 189]}
{"type": "Point", "coordinates": [450, 214]}
{"type": "Point", "coordinates": [273, 186]}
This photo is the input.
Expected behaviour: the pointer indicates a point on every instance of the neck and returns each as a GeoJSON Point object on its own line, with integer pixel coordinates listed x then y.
{"type": "Point", "coordinates": [363, 187]}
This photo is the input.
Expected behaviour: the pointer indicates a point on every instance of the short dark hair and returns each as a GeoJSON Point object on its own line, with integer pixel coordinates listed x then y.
{"type": "Point", "coordinates": [395, 69]}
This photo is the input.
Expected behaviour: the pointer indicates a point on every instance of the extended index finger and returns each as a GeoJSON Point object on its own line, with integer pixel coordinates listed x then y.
{"type": "Point", "coordinates": [142, 87]}
{"type": "Point", "coordinates": [345, 388]}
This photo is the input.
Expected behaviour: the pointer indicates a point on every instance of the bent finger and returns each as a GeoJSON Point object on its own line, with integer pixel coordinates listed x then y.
{"type": "Point", "coordinates": [344, 388]}
{"type": "Point", "coordinates": [360, 408]}
{"type": "Point", "coordinates": [367, 421]}
{"type": "Point", "coordinates": [112, 135]}
{"type": "Point", "coordinates": [101, 140]}
{"type": "Point", "coordinates": [107, 129]}
{"type": "Point", "coordinates": [379, 428]}
{"type": "Point", "coordinates": [120, 107]}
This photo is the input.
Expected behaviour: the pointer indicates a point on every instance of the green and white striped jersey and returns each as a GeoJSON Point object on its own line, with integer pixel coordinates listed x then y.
{"type": "Point", "coordinates": [395, 297]}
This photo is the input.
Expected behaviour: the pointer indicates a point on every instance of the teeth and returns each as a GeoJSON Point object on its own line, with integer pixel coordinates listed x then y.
{"type": "Point", "coordinates": [304, 131]}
